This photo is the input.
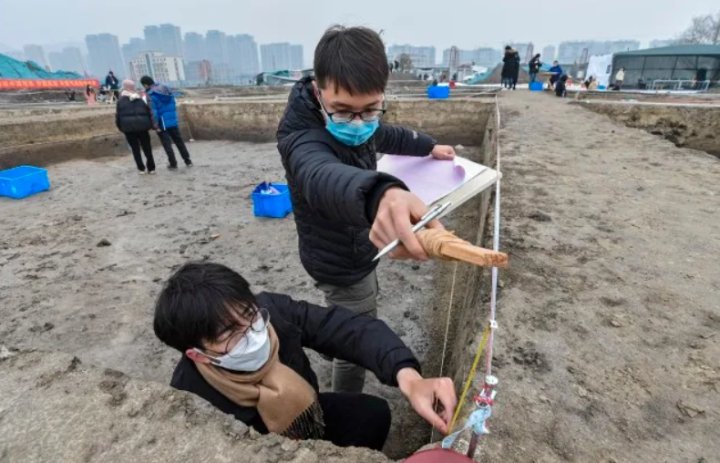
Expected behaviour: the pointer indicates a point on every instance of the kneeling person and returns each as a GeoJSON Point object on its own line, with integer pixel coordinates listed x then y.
{"type": "Point", "coordinates": [244, 354]}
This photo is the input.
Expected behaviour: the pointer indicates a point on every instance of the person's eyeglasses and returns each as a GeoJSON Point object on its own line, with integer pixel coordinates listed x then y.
{"type": "Point", "coordinates": [344, 117]}
{"type": "Point", "coordinates": [236, 340]}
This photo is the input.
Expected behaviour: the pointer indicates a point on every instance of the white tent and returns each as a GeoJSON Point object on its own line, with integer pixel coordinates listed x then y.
{"type": "Point", "coordinates": [600, 66]}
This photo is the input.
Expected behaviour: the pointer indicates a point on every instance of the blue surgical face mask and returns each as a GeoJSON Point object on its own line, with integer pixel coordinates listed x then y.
{"type": "Point", "coordinates": [353, 133]}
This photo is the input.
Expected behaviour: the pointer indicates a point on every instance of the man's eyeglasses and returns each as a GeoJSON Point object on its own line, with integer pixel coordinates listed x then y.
{"type": "Point", "coordinates": [344, 117]}
{"type": "Point", "coordinates": [236, 339]}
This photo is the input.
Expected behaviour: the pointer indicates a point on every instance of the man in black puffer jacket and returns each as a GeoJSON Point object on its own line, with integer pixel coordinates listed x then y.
{"type": "Point", "coordinates": [132, 117]}
{"type": "Point", "coordinates": [344, 209]}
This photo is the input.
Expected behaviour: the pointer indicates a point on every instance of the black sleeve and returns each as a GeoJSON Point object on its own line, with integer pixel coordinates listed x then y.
{"type": "Point", "coordinates": [399, 140]}
{"type": "Point", "coordinates": [342, 334]}
{"type": "Point", "coordinates": [117, 116]}
{"type": "Point", "coordinates": [333, 190]}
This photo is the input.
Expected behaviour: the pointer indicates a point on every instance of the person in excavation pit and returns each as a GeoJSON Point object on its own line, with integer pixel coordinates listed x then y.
{"type": "Point", "coordinates": [243, 353]}
{"type": "Point", "coordinates": [344, 209]}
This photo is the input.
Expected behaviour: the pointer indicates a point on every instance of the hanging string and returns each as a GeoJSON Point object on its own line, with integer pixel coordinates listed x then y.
{"type": "Point", "coordinates": [445, 340]}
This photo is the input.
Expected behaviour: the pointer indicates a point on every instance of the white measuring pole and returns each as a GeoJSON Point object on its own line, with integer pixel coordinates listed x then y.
{"type": "Point", "coordinates": [496, 245]}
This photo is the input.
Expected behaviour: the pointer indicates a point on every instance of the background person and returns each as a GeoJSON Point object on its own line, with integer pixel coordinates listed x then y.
{"type": "Point", "coordinates": [132, 117]}
{"type": "Point", "coordinates": [164, 111]}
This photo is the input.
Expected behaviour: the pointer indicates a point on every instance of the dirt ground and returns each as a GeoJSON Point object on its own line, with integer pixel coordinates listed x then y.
{"type": "Point", "coordinates": [60, 291]}
{"type": "Point", "coordinates": [609, 315]}
{"type": "Point", "coordinates": [608, 348]}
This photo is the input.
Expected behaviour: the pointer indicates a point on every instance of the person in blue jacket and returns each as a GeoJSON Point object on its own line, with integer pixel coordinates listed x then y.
{"type": "Point", "coordinates": [557, 71]}
{"type": "Point", "coordinates": [165, 118]}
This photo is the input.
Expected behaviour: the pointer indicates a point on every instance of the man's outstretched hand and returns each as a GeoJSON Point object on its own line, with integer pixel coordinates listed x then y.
{"type": "Point", "coordinates": [423, 395]}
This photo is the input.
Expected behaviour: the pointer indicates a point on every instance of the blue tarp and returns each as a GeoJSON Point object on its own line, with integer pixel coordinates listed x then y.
{"type": "Point", "coordinates": [10, 68]}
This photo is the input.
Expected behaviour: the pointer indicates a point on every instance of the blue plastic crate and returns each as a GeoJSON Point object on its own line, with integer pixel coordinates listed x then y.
{"type": "Point", "coordinates": [438, 92]}
{"type": "Point", "coordinates": [536, 86]}
{"type": "Point", "coordinates": [23, 181]}
{"type": "Point", "coordinates": [276, 206]}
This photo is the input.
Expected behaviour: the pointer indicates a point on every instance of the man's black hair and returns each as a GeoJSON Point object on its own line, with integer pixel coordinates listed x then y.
{"type": "Point", "coordinates": [147, 80]}
{"type": "Point", "coordinates": [352, 58]}
{"type": "Point", "coordinates": [508, 47]}
{"type": "Point", "coordinates": [199, 303]}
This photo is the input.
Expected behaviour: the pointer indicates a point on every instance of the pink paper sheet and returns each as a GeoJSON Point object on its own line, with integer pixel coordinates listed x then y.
{"type": "Point", "coordinates": [429, 178]}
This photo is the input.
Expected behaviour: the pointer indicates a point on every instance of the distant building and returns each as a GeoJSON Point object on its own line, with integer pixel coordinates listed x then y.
{"type": "Point", "coordinates": [280, 56]}
{"type": "Point", "coordinates": [198, 72]}
{"type": "Point", "coordinates": [104, 55]}
{"type": "Point", "coordinates": [165, 38]}
{"type": "Point", "coordinates": [296, 57]}
{"type": "Point", "coordinates": [420, 56]}
{"type": "Point", "coordinates": [572, 52]}
{"type": "Point", "coordinates": [69, 59]}
{"type": "Point", "coordinates": [688, 63]}
{"type": "Point", "coordinates": [194, 47]}
{"type": "Point", "coordinates": [218, 53]}
{"type": "Point", "coordinates": [133, 48]}
{"type": "Point", "coordinates": [548, 53]}
{"type": "Point", "coordinates": [159, 66]}
{"type": "Point", "coordinates": [243, 57]}
{"type": "Point", "coordinates": [487, 57]}
{"type": "Point", "coordinates": [35, 53]}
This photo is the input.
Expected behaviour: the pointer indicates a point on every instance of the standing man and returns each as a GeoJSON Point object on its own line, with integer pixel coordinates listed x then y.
{"type": "Point", "coordinates": [556, 70]}
{"type": "Point", "coordinates": [344, 209]}
{"type": "Point", "coordinates": [113, 85]}
{"type": "Point", "coordinates": [534, 67]}
{"type": "Point", "coordinates": [619, 78]}
{"type": "Point", "coordinates": [165, 117]}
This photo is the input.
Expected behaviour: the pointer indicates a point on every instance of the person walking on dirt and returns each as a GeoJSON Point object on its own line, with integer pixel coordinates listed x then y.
{"type": "Point", "coordinates": [511, 68]}
{"type": "Point", "coordinates": [165, 117]}
{"type": "Point", "coordinates": [132, 117]}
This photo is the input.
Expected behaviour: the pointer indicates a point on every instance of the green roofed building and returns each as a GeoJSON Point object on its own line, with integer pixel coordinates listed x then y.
{"type": "Point", "coordinates": [677, 62]}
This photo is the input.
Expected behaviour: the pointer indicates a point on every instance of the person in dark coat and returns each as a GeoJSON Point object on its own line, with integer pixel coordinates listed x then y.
{"type": "Point", "coordinates": [132, 117]}
{"type": "Point", "coordinates": [164, 111]}
{"type": "Point", "coordinates": [113, 84]}
{"type": "Point", "coordinates": [344, 209]}
{"type": "Point", "coordinates": [244, 354]}
{"type": "Point", "coordinates": [561, 86]}
{"type": "Point", "coordinates": [511, 68]}
{"type": "Point", "coordinates": [534, 67]}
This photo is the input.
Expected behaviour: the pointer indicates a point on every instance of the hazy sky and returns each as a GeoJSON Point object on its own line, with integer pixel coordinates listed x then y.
{"type": "Point", "coordinates": [465, 23]}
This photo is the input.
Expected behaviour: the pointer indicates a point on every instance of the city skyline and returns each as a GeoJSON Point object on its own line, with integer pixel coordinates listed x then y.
{"type": "Point", "coordinates": [273, 21]}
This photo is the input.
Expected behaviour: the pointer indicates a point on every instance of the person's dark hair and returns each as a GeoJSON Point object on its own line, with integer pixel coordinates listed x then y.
{"type": "Point", "coordinates": [508, 47]}
{"type": "Point", "coordinates": [352, 58]}
{"type": "Point", "coordinates": [147, 80]}
{"type": "Point", "coordinates": [199, 303]}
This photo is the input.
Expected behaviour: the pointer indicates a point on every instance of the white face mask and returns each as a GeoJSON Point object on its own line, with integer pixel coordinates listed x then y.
{"type": "Point", "coordinates": [249, 354]}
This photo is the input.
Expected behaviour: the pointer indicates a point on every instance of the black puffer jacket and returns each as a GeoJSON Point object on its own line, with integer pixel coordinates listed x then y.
{"type": "Point", "coordinates": [337, 332]}
{"type": "Point", "coordinates": [132, 115]}
{"type": "Point", "coordinates": [335, 188]}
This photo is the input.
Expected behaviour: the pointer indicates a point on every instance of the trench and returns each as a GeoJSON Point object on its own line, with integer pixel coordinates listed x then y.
{"type": "Point", "coordinates": [47, 136]}
{"type": "Point", "coordinates": [690, 122]}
